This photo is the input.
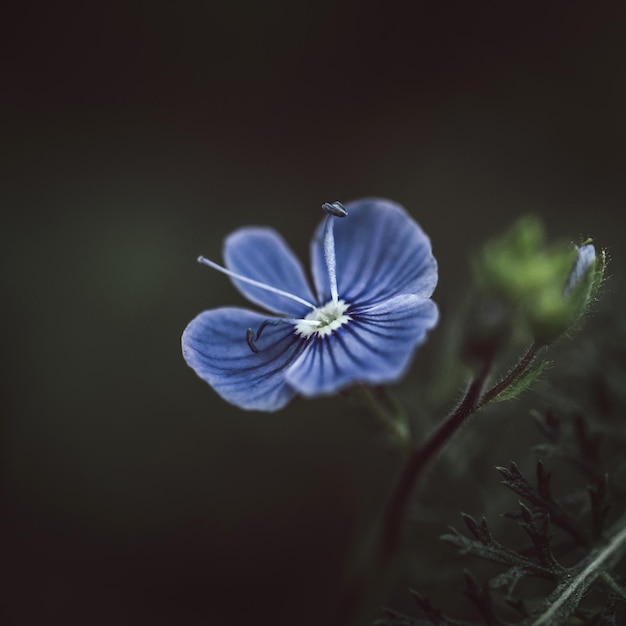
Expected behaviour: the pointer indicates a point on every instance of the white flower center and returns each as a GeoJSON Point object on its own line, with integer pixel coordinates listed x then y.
{"type": "Point", "coordinates": [323, 320]}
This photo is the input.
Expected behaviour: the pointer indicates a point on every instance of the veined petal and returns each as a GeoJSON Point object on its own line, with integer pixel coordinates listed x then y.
{"type": "Point", "coordinates": [380, 252]}
{"type": "Point", "coordinates": [214, 345]}
{"type": "Point", "coordinates": [585, 258]}
{"type": "Point", "coordinates": [263, 255]}
{"type": "Point", "coordinates": [375, 346]}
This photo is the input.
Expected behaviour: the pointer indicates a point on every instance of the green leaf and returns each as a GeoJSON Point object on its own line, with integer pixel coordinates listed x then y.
{"type": "Point", "coordinates": [564, 600]}
{"type": "Point", "coordinates": [518, 386]}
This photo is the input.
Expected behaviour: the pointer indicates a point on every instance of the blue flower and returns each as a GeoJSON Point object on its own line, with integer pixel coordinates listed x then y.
{"type": "Point", "coordinates": [373, 272]}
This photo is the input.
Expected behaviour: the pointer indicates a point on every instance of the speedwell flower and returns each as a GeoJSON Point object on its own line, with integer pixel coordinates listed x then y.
{"type": "Point", "coordinates": [373, 272]}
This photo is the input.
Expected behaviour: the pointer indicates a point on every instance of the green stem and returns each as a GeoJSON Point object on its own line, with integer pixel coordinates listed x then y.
{"type": "Point", "coordinates": [512, 376]}
{"type": "Point", "coordinates": [396, 427]}
{"type": "Point", "coordinates": [392, 402]}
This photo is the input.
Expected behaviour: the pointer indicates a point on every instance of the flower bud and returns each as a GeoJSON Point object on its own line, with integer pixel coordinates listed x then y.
{"type": "Point", "coordinates": [554, 317]}
{"type": "Point", "coordinates": [547, 286]}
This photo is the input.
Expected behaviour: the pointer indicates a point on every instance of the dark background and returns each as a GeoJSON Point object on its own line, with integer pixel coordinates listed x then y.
{"type": "Point", "coordinates": [135, 136]}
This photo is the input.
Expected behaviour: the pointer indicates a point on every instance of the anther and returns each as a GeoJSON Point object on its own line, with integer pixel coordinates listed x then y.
{"type": "Point", "coordinates": [253, 336]}
{"type": "Point", "coordinates": [334, 208]}
{"type": "Point", "coordinates": [250, 340]}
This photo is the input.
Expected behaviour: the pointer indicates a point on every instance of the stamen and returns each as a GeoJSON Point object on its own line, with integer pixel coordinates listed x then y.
{"type": "Point", "coordinates": [324, 320]}
{"type": "Point", "coordinates": [252, 336]}
{"type": "Point", "coordinates": [334, 208]}
{"type": "Point", "coordinates": [266, 323]}
{"type": "Point", "coordinates": [250, 340]}
{"type": "Point", "coordinates": [253, 282]}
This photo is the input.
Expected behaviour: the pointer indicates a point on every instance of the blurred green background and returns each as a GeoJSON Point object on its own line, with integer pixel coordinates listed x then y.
{"type": "Point", "coordinates": [135, 137]}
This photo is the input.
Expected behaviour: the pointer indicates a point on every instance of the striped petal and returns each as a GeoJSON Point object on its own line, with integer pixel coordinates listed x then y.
{"type": "Point", "coordinates": [375, 346]}
{"type": "Point", "coordinates": [214, 345]}
{"type": "Point", "coordinates": [380, 252]}
{"type": "Point", "coordinates": [261, 254]}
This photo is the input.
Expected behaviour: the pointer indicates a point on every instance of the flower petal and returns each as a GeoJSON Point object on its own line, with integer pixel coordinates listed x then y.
{"type": "Point", "coordinates": [262, 255]}
{"type": "Point", "coordinates": [381, 252]}
{"type": "Point", "coordinates": [375, 346]}
{"type": "Point", "coordinates": [585, 258]}
{"type": "Point", "coordinates": [215, 346]}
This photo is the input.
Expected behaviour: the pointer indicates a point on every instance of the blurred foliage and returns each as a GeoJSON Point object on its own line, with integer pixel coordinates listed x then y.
{"type": "Point", "coordinates": [566, 565]}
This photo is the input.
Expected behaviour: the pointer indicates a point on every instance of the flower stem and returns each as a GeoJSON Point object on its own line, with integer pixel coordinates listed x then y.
{"type": "Point", "coordinates": [396, 427]}
{"type": "Point", "coordinates": [357, 597]}
{"type": "Point", "coordinates": [418, 459]}
{"type": "Point", "coordinates": [394, 405]}
{"type": "Point", "coordinates": [512, 376]}
{"type": "Point", "coordinates": [421, 456]}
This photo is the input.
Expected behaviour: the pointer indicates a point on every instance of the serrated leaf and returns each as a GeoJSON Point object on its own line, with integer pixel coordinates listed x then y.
{"type": "Point", "coordinates": [496, 553]}
{"type": "Point", "coordinates": [509, 579]}
{"type": "Point", "coordinates": [564, 600]}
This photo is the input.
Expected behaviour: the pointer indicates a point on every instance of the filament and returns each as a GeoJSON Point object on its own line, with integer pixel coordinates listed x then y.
{"type": "Point", "coordinates": [329, 255]}
{"type": "Point", "coordinates": [255, 283]}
